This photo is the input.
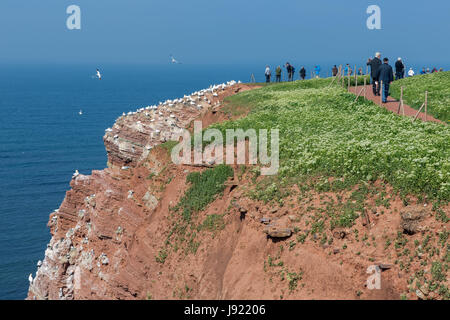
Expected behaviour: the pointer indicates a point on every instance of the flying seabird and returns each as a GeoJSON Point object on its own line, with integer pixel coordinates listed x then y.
{"type": "Point", "coordinates": [173, 60]}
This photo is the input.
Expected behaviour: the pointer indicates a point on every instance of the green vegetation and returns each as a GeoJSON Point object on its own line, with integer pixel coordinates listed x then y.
{"type": "Point", "coordinates": [324, 133]}
{"type": "Point", "coordinates": [438, 87]}
{"type": "Point", "coordinates": [213, 222]}
{"type": "Point", "coordinates": [161, 257]}
{"type": "Point", "coordinates": [204, 188]}
{"type": "Point", "coordinates": [168, 145]}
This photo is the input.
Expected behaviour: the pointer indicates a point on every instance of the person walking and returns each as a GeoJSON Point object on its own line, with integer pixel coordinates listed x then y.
{"type": "Point", "coordinates": [385, 74]}
{"type": "Point", "coordinates": [278, 74]}
{"type": "Point", "coordinates": [267, 73]}
{"type": "Point", "coordinates": [302, 73]}
{"type": "Point", "coordinates": [289, 71]}
{"type": "Point", "coordinates": [399, 69]}
{"type": "Point", "coordinates": [348, 70]}
{"type": "Point", "coordinates": [317, 71]}
{"type": "Point", "coordinates": [334, 71]}
{"type": "Point", "coordinates": [411, 72]}
{"type": "Point", "coordinates": [360, 71]}
{"type": "Point", "coordinates": [374, 64]}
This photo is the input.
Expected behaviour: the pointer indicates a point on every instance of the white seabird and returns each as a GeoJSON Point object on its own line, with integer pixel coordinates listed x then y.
{"type": "Point", "coordinates": [173, 60]}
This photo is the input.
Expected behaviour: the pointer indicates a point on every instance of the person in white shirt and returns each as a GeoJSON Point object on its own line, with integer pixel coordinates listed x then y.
{"type": "Point", "coordinates": [410, 72]}
{"type": "Point", "coordinates": [268, 74]}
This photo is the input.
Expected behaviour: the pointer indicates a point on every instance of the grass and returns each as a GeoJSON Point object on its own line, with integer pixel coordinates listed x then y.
{"type": "Point", "coordinates": [213, 222]}
{"type": "Point", "coordinates": [324, 133]}
{"type": "Point", "coordinates": [437, 85]}
{"type": "Point", "coordinates": [168, 146]}
{"type": "Point", "coordinates": [205, 186]}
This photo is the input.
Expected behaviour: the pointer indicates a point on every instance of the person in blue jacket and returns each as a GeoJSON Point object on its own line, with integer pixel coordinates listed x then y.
{"type": "Point", "coordinates": [385, 73]}
{"type": "Point", "coordinates": [317, 71]}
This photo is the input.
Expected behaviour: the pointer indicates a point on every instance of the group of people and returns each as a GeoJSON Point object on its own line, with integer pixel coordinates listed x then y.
{"type": "Point", "coordinates": [348, 71]}
{"type": "Point", "coordinates": [290, 70]}
{"type": "Point", "coordinates": [382, 73]}
{"type": "Point", "coordinates": [427, 70]}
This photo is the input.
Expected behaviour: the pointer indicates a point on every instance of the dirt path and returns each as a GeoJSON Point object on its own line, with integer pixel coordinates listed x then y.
{"type": "Point", "coordinates": [392, 104]}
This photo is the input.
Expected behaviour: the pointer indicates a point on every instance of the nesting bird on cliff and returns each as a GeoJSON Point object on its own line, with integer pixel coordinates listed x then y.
{"type": "Point", "coordinates": [30, 278]}
{"type": "Point", "coordinates": [75, 174]}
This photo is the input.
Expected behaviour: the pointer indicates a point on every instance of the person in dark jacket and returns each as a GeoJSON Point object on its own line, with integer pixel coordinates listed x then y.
{"type": "Point", "coordinates": [289, 71]}
{"type": "Point", "coordinates": [399, 69]}
{"type": "Point", "coordinates": [385, 74]}
{"type": "Point", "coordinates": [334, 71]}
{"type": "Point", "coordinates": [374, 64]}
{"type": "Point", "coordinates": [302, 73]}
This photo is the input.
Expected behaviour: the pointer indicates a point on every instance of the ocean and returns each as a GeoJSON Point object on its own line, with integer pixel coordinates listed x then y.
{"type": "Point", "coordinates": [43, 140]}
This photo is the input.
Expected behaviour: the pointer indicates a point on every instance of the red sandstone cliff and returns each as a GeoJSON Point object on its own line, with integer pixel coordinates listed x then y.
{"type": "Point", "coordinates": [109, 234]}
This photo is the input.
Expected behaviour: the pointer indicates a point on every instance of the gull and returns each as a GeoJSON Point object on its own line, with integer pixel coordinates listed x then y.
{"type": "Point", "coordinates": [173, 61]}
{"type": "Point", "coordinates": [98, 75]}
{"type": "Point", "coordinates": [75, 174]}
{"type": "Point", "coordinates": [80, 112]}
{"type": "Point", "coordinates": [30, 278]}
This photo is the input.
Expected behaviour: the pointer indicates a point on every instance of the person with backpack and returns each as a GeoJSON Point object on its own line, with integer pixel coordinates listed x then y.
{"type": "Point", "coordinates": [385, 74]}
{"type": "Point", "coordinates": [267, 73]}
{"type": "Point", "coordinates": [347, 70]}
{"type": "Point", "coordinates": [302, 73]}
{"type": "Point", "coordinates": [278, 74]}
{"type": "Point", "coordinates": [374, 64]}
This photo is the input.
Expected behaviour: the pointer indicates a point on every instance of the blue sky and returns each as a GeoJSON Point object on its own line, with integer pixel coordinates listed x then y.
{"type": "Point", "coordinates": [222, 31]}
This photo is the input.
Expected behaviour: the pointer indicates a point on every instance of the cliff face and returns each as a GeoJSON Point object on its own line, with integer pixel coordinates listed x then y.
{"type": "Point", "coordinates": [107, 231]}
{"type": "Point", "coordinates": [116, 235]}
